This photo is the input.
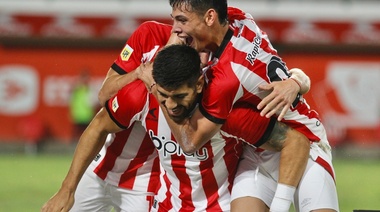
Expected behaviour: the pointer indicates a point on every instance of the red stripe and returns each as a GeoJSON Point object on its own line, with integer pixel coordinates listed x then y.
{"type": "Point", "coordinates": [128, 178]}
{"type": "Point", "coordinates": [209, 182]}
{"type": "Point", "coordinates": [166, 204]}
{"type": "Point", "coordinates": [300, 127]}
{"type": "Point", "coordinates": [113, 151]}
{"type": "Point", "coordinates": [154, 182]}
{"type": "Point", "coordinates": [326, 165]}
{"type": "Point", "coordinates": [179, 168]}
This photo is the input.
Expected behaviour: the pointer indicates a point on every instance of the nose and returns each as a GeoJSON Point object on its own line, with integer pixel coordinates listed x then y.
{"type": "Point", "coordinates": [170, 104]}
{"type": "Point", "coordinates": [176, 28]}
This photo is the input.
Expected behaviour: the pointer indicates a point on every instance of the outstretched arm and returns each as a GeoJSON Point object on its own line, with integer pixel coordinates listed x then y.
{"type": "Point", "coordinates": [113, 83]}
{"type": "Point", "coordinates": [89, 145]}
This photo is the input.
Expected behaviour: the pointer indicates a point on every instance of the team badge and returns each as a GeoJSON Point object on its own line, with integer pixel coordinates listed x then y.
{"type": "Point", "coordinates": [126, 53]}
{"type": "Point", "coordinates": [115, 105]}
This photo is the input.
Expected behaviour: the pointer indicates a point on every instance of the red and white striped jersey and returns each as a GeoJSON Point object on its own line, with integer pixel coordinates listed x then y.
{"type": "Point", "coordinates": [142, 46]}
{"type": "Point", "coordinates": [189, 182]}
{"type": "Point", "coordinates": [129, 159]}
{"type": "Point", "coordinates": [244, 60]}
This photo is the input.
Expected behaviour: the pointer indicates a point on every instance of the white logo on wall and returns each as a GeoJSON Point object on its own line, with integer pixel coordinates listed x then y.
{"type": "Point", "coordinates": [356, 88]}
{"type": "Point", "coordinates": [19, 87]}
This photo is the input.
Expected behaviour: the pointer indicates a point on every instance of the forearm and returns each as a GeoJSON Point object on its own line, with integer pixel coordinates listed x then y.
{"type": "Point", "coordinates": [89, 145]}
{"type": "Point", "coordinates": [302, 80]}
{"type": "Point", "coordinates": [113, 83]}
{"type": "Point", "coordinates": [293, 160]}
{"type": "Point", "coordinates": [193, 132]}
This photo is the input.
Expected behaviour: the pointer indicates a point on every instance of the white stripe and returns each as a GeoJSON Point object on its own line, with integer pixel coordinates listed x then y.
{"type": "Point", "coordinates": [249, 80]}
{"type": "Point", "coordinates": [122, 162]}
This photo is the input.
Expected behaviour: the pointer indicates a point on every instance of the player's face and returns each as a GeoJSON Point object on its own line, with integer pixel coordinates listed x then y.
{"type": "Point", "coordinates": [191, 28]}
{"type": "Point", "coordinates": [178, 103]}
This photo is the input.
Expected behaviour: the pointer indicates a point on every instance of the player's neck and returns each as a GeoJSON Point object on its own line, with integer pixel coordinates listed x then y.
{"type": "Point", "coordinates": [217, 37]}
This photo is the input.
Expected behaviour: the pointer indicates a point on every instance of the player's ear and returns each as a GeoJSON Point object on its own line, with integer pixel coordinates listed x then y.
{"type": "Point", "coordinates": [210, 17]}
{"type": "Point", "coordinates": [200, 83]}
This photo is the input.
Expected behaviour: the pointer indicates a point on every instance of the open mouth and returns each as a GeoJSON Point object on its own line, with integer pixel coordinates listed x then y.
{"type": "Point", "coordinates": [175, 113]}
{"type": "Point", "coordinates": [188, 41]}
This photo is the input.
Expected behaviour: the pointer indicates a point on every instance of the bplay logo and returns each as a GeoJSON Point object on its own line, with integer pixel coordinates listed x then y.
{"type": "Point", "coordinates": [19, 87]}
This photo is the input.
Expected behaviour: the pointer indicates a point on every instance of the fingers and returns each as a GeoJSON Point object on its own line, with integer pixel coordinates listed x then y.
{"type": "Point", "coordinates": [267, 87]}
{"type": "Point", "coordinates": [52, 208]}
{"type": "Point", "coordinates": [144, 73]}
{"type": "Point", "coordinates": [265, 104]}
{"type": "Point", "coordinates": [279, 100]}
{"type": "Point", "coordinates": [204, 58]}
{"type": "Point", "coordinates": [272, 108]}
{"type": "Point", "coordinates": [283, 112]}
{"type": "Point", "coordinates": [175, 39]}
{"type": "Point", "coordinates": [268, 98]}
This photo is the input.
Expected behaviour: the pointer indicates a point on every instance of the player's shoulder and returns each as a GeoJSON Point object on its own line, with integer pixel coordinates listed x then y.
{"type": "Point", "coordinates": [133, 92]}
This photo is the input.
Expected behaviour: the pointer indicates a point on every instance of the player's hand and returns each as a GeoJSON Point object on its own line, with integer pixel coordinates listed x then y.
{"type": "Point", "coordinates": [175, 39]}
{"type": "Point", "coordinates": [62, 201]}
{"type": "Point", "coordinates": [283, 94]}
{"type": "Point", "coordinates": [204, 58]}
{"type": "Point", "coordinates": [144, 73]}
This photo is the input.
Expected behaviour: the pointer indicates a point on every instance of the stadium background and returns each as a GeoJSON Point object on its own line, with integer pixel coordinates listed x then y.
{"type": "Point", "coordinates": [44, 44]}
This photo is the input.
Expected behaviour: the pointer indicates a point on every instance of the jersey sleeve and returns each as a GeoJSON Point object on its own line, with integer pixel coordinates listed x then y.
{"type": "Point", "coordinates": [246, 124]}
{"type": "Point", "coordinates": [128, 104]}
{"type": "Point", "coordinates": [131, 54]}
{"type": "Point", "coordinates": [142, 46]}
{"type": "Point", "coordinates": [219, 95]}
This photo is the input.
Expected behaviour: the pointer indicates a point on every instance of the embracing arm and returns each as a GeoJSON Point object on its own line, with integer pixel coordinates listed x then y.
{"type": "Point", "coordinates": [194, 132]}
{"type": "Point", "coordinates": [89, 145]}
{"type": "Point", "coordinates": [283, 93]}
{"type": "Point", "coordinates": [113, 83]}
{"type": "Point", "coordinates": [295, 148]}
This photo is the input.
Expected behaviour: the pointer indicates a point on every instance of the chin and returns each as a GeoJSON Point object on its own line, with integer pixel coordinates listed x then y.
{"type": "Point", "coordinates": [177, 119]}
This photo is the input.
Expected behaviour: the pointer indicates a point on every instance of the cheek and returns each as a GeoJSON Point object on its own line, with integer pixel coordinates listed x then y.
{"type": "Point", "coordinates": [187, 102]}
{"type": "Point", "coordinates": [161, 100]}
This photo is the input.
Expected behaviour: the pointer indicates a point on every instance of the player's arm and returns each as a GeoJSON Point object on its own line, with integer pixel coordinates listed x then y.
{"type": "Point", "coordinates": [283, 93]}
{"type": "Point", "coordinates": [294, 148]}
{"type": "Point", "coordinates": [301, 79]}
{"type": "Point", "coordinates": [89, 145]}
{"type": "Point", "coordinates": [193, 132]}
{"type": "Point", "coordinates": [113, 83]}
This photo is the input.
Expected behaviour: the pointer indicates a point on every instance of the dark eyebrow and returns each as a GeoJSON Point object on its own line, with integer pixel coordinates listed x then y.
{"type": "Point", "coordinates": [180, 95]}
{"type": "Point", "coordinates": [175, 95]}
{"type": "Point", "coordinates": [160, 92]}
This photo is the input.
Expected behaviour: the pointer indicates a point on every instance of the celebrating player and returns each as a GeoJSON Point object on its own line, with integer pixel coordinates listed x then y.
{"type": "Point", "coordinates": [195, 182]}
{"type": "Point", "coordinates": [125, 173]}
{"type": "Point", "coordinates": [243, 59]}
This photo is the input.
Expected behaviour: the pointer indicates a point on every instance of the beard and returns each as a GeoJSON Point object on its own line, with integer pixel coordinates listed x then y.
{"type": "Point", "coordinates": [186, 113]}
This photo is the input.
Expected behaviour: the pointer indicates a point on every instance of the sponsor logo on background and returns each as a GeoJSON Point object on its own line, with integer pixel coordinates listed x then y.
{"type": "Point", "coordinates": [19, 86]}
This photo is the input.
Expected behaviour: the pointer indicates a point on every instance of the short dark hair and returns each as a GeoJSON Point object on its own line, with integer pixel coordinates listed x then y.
{"type": "Point", "coordinates": [176, 65]}
{"type": "Point", "coordinates": [201, 6]}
